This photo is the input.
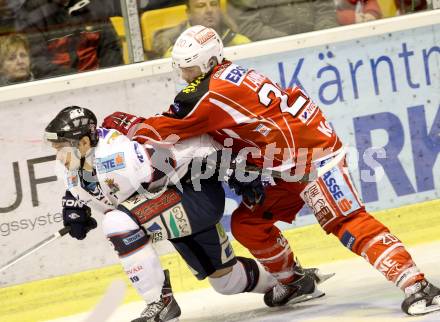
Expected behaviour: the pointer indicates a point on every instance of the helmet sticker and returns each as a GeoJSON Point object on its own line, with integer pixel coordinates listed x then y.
{"type": "Point", "coordinates": [181, 43]}
{"type": "Point", "coordinates": [204, 36]}
{"type": "Point", "coordinates": [78, 112]}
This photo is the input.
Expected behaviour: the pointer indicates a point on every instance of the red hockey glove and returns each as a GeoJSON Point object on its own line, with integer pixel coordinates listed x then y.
{"type": "Point", "coordinates": [121, 121]}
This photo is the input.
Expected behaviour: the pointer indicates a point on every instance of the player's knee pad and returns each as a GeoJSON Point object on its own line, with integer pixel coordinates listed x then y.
{"type": "Point", "coordinates": [143, 268]}
{"type": "Point", "coordinates": [232, 283]}
{"type": "Point", "coordinates": [128, 242]}
{"type": "Point", "coordinates": [247, 275]}
{"type": "Point", "coordinates": [125, 235]}
{"type": "Point", "coordinates": [258, 279]}
{"type": "Point", "coordinates": [117, 221]}
{"type": "Point", "coordinates": [136, 253]}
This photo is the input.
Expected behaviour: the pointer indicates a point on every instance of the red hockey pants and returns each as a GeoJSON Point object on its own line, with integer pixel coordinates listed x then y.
{"type": "Point", "coordinates": [338, 210]}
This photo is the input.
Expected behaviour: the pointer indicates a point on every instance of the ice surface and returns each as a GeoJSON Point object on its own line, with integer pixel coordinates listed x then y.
{"type": "Point", "coordinates": [357, 293]}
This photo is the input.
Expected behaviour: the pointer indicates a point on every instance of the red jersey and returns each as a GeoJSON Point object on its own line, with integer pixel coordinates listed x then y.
{"type": "Point", "coordinates": [283, 127]}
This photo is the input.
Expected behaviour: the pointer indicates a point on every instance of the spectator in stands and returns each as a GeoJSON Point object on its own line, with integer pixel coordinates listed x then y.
{"type": "Point", "coordinates": [15, 63]}
{"type": "Point", "coordinates": [408, 6]}
{"type": "Point", "coordinates": [145, 5]}
{"type": "Point", "coordinates": [68, 36]}
{"type": "Point", "coordinates": [265, 19]}
{"type": "Point", "coordinates": [356, 11]}
{"type": "Point", "coordinates": [158, 4]}
{"type": "Point", "coordinates": [200, 12]}
{"type": "Point", "coordinates": [8, 11]}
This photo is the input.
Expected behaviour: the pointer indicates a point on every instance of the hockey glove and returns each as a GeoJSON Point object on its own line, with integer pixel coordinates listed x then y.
{"type": "Point", "coordinates": [253, 192]}
{"type": "Point", "coordinates": [77, 216]}
{"type": "Point", "coordinates": [121, 121]}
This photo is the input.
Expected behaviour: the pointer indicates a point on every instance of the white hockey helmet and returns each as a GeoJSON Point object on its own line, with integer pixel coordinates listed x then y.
{"type": "Point", "coordinates": [196, 46]}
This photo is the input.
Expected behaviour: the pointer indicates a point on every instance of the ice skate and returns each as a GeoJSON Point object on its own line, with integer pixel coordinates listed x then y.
{"type": "Point", "coordinates": [318, 276]}
{"type": "Point", "coordinates": [164, 310]}
{"type": "Point", "coordinates": [421, 298]}
{"type": "Point", "coordinates": [302, 289]}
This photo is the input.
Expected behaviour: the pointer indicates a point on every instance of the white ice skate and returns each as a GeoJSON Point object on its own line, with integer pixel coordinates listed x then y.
{"type": "Point", "coordinates": [421, 298]}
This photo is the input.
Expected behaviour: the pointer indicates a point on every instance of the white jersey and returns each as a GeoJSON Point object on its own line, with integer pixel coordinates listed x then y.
{"type": "Point", "coordinates": [122, 167]}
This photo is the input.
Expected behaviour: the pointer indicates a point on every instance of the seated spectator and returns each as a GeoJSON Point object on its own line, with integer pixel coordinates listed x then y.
{"type": "Point", "coordinates": [8, 11]}
{"type": "Point", "coordinates": [408, 6]}
{"type": "Point", "coordinates": [157, 4]}
{"type": "Point", "coordinates": [356, 11]}
{"type": "Point", "coordinates": [145, 5]}
{"type": "Point", "coordinates": [200, 12]}
{"type": "Point", "coordinates": [265, 19]}
{"type": "Point", "coordinates": [68, 36]}
{"type": "Point", "coordinates": [15, 63]}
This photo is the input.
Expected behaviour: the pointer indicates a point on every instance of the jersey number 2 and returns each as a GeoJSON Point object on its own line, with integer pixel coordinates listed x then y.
{"type": "Point", "coordinates": [268, 88]}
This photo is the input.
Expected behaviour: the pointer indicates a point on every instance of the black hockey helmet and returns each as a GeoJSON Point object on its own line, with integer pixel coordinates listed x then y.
{"type": "Point", "coordinates": [71, 124]}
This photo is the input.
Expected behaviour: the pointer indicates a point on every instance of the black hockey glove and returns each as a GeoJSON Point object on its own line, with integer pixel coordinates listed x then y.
{"type": "Point", "coordinates": [77, 216]}
{"type": "Point", "coordinates": [252, 192]}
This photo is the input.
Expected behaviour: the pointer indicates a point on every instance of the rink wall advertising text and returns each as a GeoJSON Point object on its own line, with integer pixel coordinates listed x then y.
{"type": "Point", "coordinates": [381, 94]}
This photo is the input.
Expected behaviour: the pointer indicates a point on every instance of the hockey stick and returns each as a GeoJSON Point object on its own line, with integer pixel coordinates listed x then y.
{"type": "Point", "coordinates": [60, 233]}
{"type": "Point", "coordinates": [313, 175]}
{"type": "Point", "coordinates": [109, 302]}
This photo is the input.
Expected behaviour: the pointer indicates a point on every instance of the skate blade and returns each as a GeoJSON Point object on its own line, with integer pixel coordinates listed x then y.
{"type": "Point", "coordinates": [307, 297]}
{"type": "Point", "coordinates": [321, 277]}
{"type": "Point", "coordinates": [422, 309]}
{"type": "Point", "coordinates": [144, 319]}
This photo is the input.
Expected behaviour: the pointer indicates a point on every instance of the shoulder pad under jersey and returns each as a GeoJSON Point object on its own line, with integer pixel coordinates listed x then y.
{"type": "Point", "coordinates": [188, 97]}
{"type": "Point", "coordinates": [107, 135]}
{"type": "Point", "coordinates": [121, 165]}
{"type": "Point", "coordinates": [231, 73]}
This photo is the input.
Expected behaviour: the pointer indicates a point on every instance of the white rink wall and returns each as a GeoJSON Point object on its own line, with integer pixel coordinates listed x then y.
{"type": "Point", "coordinates": [379, 83]}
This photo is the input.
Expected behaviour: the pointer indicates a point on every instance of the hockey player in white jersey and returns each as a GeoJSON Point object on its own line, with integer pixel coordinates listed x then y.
{"type": "Point", "coordinates": [107, 172]}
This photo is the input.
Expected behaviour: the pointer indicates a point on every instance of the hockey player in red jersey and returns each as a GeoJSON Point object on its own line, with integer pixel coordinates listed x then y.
{"type": "Point", "coordinates": [282, 131]}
